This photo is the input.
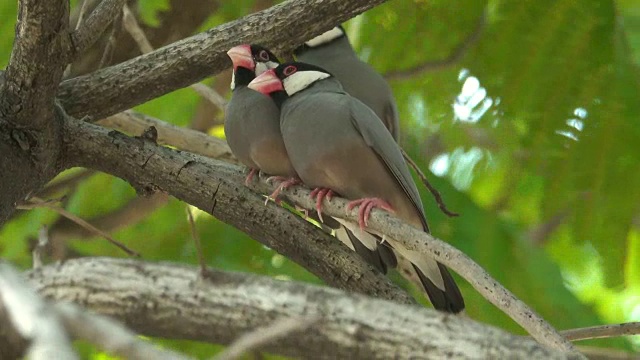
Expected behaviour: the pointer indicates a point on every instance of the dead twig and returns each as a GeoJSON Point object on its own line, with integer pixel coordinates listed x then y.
{"type": "Point", "coordinates": [432, 190]}
{"type": "Point", "coordinates": [68, 182]}
{"type": "Point", "coordinates": [37, 202]}
{"type": "Point", "coordinates": [116, 29]}
{"type": "Point", "coordinates": [196, 240]}
{"type": "Point", "coordinates": [602, 331]}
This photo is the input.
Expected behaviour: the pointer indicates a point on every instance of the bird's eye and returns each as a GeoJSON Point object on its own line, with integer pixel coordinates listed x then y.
{"type": "Point", "coordinates": [264, 55]}
{"type": "Point", "coordinates": [289, 70]}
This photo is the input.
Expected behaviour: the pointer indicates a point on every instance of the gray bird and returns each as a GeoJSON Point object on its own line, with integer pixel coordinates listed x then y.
{"type": "Point", "coordinates": [333, 52]}
{"type": "Point", "coordinates": [252, 121]}
{"type": "Point", "coordinates": [338, 144]}
{"type": "Point", "coordinates": [252, 129]}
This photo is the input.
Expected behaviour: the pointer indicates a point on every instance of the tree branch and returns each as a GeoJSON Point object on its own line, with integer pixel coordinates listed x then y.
{"type": "Point", "coordinates": [168, 300]}
{"type": "Point", "coordinates": [93, 27]}
{"type": "Point", "coordinates": [215, 187]}
{"type": "Point", "coordinates": [120, 87]}
{"type": "Point", "coordinates": [29, 132]}
{"type": "Point", "coordinates": [603, 331]}
{"type": "Point", "coordinates": [37, 61]}
{"type": "Point", "coordinates": [134, 123]}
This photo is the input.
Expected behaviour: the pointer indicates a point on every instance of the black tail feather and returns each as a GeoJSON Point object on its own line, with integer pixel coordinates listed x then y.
{"type": "Point", "coordinates": [450, 300]}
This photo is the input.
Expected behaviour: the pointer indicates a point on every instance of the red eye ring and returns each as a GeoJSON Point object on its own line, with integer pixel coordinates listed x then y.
{"type": "Point", "coordinates": [264, 55]}
{"type": "Point", "coordinates": [289, 70]}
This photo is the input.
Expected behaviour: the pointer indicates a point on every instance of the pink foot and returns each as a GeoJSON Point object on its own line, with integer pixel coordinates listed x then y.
{"type": "Point", "coordinates": [320, 194]}
{"type": "Point", "coordinates": [252, 173]}
{"type": "Point", "coordinates": [285, 183]}
{"type": "Point", "coordinates": [366, 205]}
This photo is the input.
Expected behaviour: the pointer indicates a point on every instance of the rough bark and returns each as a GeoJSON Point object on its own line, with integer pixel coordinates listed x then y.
{"type": "Point", "coordinates": [217, 188]}
{"type": "Point", "coordinates": [171, 301]}
{"type": "Point", "coordinates": [29, 129]}
{"type": "Point", "coordinates": [120, 87]}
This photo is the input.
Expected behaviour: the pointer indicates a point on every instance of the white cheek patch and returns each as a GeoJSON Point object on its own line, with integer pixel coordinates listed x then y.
{"type": "Point", "coordinates": [302, 80]}
{"type": "Point", "coordinates": [326, 37]}
{"type": "Point", "coordinates": [233, 80]}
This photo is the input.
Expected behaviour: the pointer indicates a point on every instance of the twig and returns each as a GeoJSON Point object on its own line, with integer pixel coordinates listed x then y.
{"type": "Point", "coordinates": [116, 29]}
{"type": "Point", "coordinates": [261, 336]}
{"type": "Point", "coordinates": [32, 318]}
{"type": "Point", "coordinates": [193, 141]}
{"type": "Point", "coordinates": [43, 240]}
{"type": "Point", "coordinates": [133, 28]}
{"type": "Point", "coordinates": [196, 240]}
{"type": "Point", "coordinates": [435, 193]}
{"type": "Point", "coordinates": [602, 331]}
{"type": "Point", "coordinates": [109, 335]}
{"type": "Point", "coordinates": [91, 29]}
{"type": "Point", "coordinates": [456, 55]}
{"type": "Point", "coordinates": [211, 95]}
{"type": "Point", "coordinates": [70, 181]}
{"type": "Point", "coordinates": [83, 9]}
{"type": "Point", "coordinates": [36, 202]}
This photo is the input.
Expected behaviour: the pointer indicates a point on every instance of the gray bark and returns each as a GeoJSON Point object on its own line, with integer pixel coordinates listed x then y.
{"type": "Point", "coordinates": [168, 300]}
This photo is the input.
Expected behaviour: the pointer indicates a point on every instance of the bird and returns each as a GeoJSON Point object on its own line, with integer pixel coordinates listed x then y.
{"type": "Point", "coordinates": [252, 120]}
{"type": "Point", "coordinates": [252, 129]}
{"type": "Point", "coordinates": [338, 145]}
{"type": "Point", "coordinates": [333, 52]}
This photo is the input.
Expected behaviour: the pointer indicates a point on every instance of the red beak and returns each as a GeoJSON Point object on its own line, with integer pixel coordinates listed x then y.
{"type": "Point", "coordinates": [266, 83]}
{"type": "Point", "coordinates": [241, 57]}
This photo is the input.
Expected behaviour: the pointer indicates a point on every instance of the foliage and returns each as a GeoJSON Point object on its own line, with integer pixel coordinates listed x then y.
{"type": "Point", "coordinates": [533, 137]}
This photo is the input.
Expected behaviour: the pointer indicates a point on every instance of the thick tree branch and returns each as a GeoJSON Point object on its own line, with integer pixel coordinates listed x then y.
{"type": "Point", "coordinates": [29, 132]}
{"type": "Point", "coordinates": [134, 123]}
{"type": "Point", "coordinates": [170, 301]}
{"type": "Point", "coordinates": [216, 188]}
{"type": "Point", "coordinates": [120, 87]}
{"type": "Point", "coordinates": [37, 61]}
{"type": "Point", "coordinates": [93, 27]}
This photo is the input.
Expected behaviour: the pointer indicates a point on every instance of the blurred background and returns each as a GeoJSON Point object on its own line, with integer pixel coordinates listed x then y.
{"type": "Point", "coordinates": [523, 113]}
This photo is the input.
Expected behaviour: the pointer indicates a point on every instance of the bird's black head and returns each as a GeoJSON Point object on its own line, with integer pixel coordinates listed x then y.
{"type": "Point", "coordinates": [250, 61]}
{"type": "Point", "coordinates": [288, 79]}
{"type": "Point", "coordinates": [262, 55]}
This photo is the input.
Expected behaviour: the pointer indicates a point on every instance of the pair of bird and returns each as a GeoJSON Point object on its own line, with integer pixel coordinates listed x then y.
{"type": "Point", "coordinates": [330, 122]}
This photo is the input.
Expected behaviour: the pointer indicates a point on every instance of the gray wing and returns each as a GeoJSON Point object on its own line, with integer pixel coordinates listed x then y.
{"type": "Point", "coordinates": [392, 119]}
{"type": "Point", "coordinates": [381, 141]}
